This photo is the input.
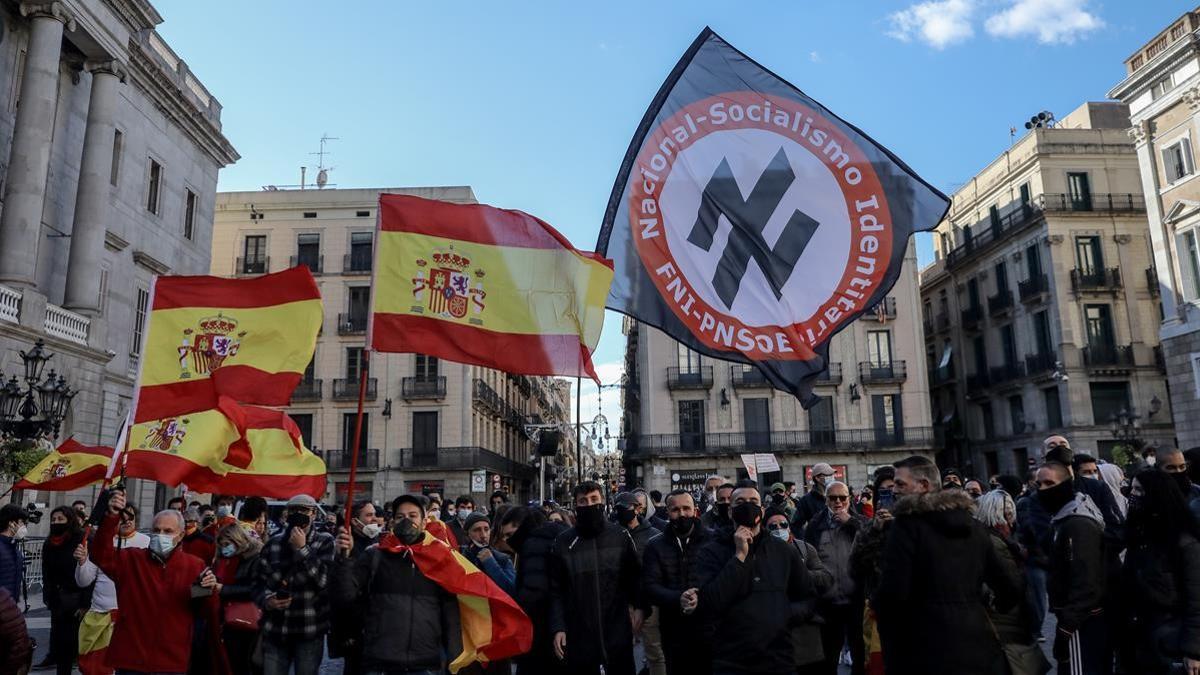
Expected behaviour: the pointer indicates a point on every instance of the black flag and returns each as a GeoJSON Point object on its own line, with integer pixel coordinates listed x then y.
{"type": "Point", "coordinates": [752, 224]}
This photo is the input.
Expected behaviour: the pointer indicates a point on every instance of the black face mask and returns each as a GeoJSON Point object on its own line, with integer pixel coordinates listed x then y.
{"type": "Point", "coordinates": [1054, 498]}
{"type": "Point", "coordinates": [625, 514]}
{"type": "Point", "coordinates": [407, 532]}
{"type": "Point", "coordinates": [58, 529]}
{"type": "Point", "coordinates": [722, 511]}
{"type": "Point", "coordinates": [1184, 483]}
{"type": "Point", "coordinates": [777, 498]}
{"type": "Point", "coordinates": [683, 525]}
{"type": "Point", "coordinates": [589, 520]}
{"type": "Point", "coordinates": [298, 519]}
{"type": "Point", "coordinates": [747, 514]}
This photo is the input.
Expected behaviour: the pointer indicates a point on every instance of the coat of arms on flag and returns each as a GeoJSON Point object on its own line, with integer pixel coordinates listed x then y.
{"type": "Point", "coordinates": [206, 349]}
{"type": "Point", "coordinates": [165, 435]}
{"type": "Point", "coordinates": [449, 287]}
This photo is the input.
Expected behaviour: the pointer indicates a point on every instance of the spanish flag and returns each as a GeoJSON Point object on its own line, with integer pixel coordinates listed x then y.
{"type": "Point", "coordinates": [484, 286]}
{"type": "Point", "coordinates": [206, 337]}
{"type": "Point", "coordinates": [70, 466]}
{"type": "Point", "coordinates": [182, 448]}
{"type": "Point", "coordinates": [493, 626]}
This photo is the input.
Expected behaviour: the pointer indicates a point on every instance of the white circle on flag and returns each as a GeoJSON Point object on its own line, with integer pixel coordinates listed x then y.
{"type": "Point", "coordinates": [815, 192]}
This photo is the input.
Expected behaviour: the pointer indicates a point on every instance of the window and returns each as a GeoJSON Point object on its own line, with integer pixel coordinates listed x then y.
{"type": "Point", "coordinates": [362, 214]}
{"type": "Point", "coordinates": [139, 321]}
{"type": "Point", "coordinates": [1089, 256]}
{"type": "Point", "coordinates": [14, 94]}
{"type": "Point", "coordinates": [688, 360]}
{"type": "Point", "coordinates": [308, 251]}
{"type": "Point", "coordinates": [691, 425]}
{"type": "Point", "coordinates": [102, 304]}
{"type": "Point", "coordinates": [1016, 414]}
{"type": "Point", "coordinates": [1041, 333]}
{"type": "Point", "coordinates": [304, 422]}
{"type": "Point", "coordinates": [114, 172]}
{"type": "Point", "coordinates": [1098, 323]}
{"type": "Point", "coordinates": [756, 420]}
{"type": "Point", "coordinates": [1008, 343]}
{"type": "Point", "coordinates": [360, 251]}
{"type": "Point", "coordinates": [426, 367]}
{"type": "Point", "coordinates": [1177, 160]}
{"type": "Point", "coordinates": [822, 425]}
{"type": "Point", "coordinates": [348, 421]}
{"type": "Point", "coordinates": [879, 348]}
{"type": "Point", "coordinates": [989, 420]}
{"type": "Point", "coordinates": [1001, 277]}
{"type": "Point", "coordinates": [980, 349]}
{"type": "Point", "coordinates": [1108, 399]}
{"type": "Point", "coordinates": [154, 188]}
{"type": "Point", "coordinates": [888, 418]}
{"type": "Point", "coordinates": [425, 432]}
{"type": "Point", "coordinates": [354, 363]}
{"type": "Point", "coordinates": [973, 293]}
{"type": "Point", "coordinates": [359, 305]}
{"type": "Point", "coordinates": [1054, 419]}
{"type": "Point", "coordinates": [1161, 87]}
{"type": "Point", "coordinates": [1026, 197]}
{"type": "Point", "coordinates": [1033, 261]}
{"type": "Point", "coordinates": [1196, 372]}
{"type": "Point", "coordinates": [1189, 263]}
{"type": "Point", "coordinates": [189, 214]}
{"type": "Point", "coordinates": [1079, 192]}
{"type": "Point", "coordinates": [994, 216]}
{"type": "Point", "coordinates": [254, 254]}
{"type": "Point", "coordinates": [310, 214]}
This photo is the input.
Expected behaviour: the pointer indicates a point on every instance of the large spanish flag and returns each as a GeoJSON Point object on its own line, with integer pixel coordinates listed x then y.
{"type": "Point", "coordinates": [206, 337]}
{"type": "Point", "coordinates": [485, 286]}
{"type": "Point", "coordinates": [494, 627]}
{"type": "Point", "coordinates": [181, 449]}
{"type": "Point", "coordinates": [70, 466]}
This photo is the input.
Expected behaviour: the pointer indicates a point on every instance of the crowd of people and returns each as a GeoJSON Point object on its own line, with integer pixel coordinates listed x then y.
{"type": "Point", "coordinates": [922, 571]}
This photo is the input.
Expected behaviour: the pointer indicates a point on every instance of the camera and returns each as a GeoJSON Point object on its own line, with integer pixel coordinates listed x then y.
{"type": "Point", "coordinates": [34, 513]}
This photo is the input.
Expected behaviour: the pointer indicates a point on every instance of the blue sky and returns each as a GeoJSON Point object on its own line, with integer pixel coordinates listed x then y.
{"type": "Point", "coordinates": [533, 104]}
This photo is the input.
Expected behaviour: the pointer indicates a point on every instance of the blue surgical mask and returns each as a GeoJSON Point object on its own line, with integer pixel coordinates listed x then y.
{"type": "Point", "coordinates": [224, 510]}
{"type": "Point", "coordinates": [781, 535]}
{"type": "Point", "coordinates": [162, 544]}
{"type": "Point", "coordinates": [228, 551]}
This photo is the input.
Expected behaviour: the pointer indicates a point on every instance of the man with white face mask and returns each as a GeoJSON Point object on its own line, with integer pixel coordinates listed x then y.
{"type": "Point", "coordinates": [154, 592]}
{"type": "Point", "coordinates": [12, 561]}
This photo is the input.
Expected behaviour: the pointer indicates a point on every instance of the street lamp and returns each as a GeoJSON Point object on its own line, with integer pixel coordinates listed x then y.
{"type": "Point", "coordinates": [36, 411]}
{"type": "Point", "coordinates": [1126, 427]}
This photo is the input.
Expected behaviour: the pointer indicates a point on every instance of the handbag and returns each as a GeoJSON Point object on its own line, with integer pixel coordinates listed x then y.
{"type": "Point", "coordinates": [242, 615]}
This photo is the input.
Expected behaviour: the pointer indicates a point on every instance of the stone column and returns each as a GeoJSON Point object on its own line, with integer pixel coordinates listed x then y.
{"type": "Point", "coordinates": [29, 161]}
{"type": "Point", "coordinates": [91, 201]}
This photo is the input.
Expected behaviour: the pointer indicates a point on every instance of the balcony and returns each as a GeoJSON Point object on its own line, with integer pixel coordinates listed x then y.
{"type": "Point", "coordinates": [797, 442]}
{"type": "Point", "coordinates": [486, 399]}
{"type": "Point", "coordinates": [462, 458]}
{"type": "Point", "coordinates": [1108, 356]}
{"type": "Point", "coordinates": [256, 265]}
{"type": "Point", "coordinates": [347, 389]}
{"type": "Point", "coordinates": [999, 376]}
{"type": "Point", "coordinates": [693, 378]}
{"type": "Point", "coordinates": [307, 390]}
{"type": "Point", "coordinates": [1095, 281]}
{"type": "Point", "coordinates": [942, 375]}
{"type": "Point", "coordinates": [314, 263]}
{"type": "Point", "coordinates": [356, 263]}
{"type": "Point", "coordinates": [1000, 303]}
{"type": "Point", "coordinates": [414, 388]}
{"type": "Point", "coordinates": [831, 375]}
{"type": "Point", "coordinates": [67, 325]}
{"type": "Point", "coordinates": [1152, 282]}
{"type": "Point", "coordinates": [988, 232]}
{"type": "Point", "coordinates": [748, 377]}
{"type": "Point", "coordinates": [10, 304]}
{"type": "Point", "coordinates": [1034, 289]}
{"type": "Point", "coordinates": [353, 323]}
{"type": "Point", "coordinates": [884, 310]}
{"type": "Point", "coordinates": [339, 460]}
{"type": "Point", "coordinates": [882, 373]}
{"type": "Point", "coordinates": [971, 317]}
{"type": "Point", "coordinates": [1042, 363]}
{"type": "Point", "coordinates": [1094, 203]}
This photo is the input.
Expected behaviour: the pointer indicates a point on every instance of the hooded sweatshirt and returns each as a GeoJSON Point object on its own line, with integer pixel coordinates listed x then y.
{"type": "Point", "coordinates": [1077, 562]}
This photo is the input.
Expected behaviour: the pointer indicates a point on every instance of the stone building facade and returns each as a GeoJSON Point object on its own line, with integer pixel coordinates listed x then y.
{"type": "Point", "coordinates": [686, 416]}
{"type": "Point", "coordinates": [109, 153]}
{"type": "Point", "coordinates": [1041, 308]}
{"type": "Point", "coordinates": [429, 425]}
{"type": "Point", "coordinates": [1162, 88]}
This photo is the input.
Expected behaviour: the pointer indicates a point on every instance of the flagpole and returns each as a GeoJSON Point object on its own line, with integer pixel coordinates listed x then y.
{"type": "Point", "coordinates": [578, 429]}
{"type": "Point", "coordinates": [362, 395]}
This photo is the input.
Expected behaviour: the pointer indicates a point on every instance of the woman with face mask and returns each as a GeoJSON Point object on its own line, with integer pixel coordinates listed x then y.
{"type": "Point", "coordinates": [231, 581]}
{"type": "Point", "coordinates": [63, 597]}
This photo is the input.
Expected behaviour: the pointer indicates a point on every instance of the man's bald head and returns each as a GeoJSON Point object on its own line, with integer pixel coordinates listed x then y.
{"type": "Point", "coordinates": [1052, 473]}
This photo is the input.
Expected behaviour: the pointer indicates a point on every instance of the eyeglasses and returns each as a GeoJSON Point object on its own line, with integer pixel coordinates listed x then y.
{"type": "Point", "coordinates": [777, 526]}
{"type": "Point", "coordinates": [838, 498]}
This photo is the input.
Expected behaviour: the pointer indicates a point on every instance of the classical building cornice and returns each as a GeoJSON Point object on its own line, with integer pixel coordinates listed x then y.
{"type": "Point", "coordinates": [166, 91]}
{"type": "Point", "coordinates": [137, 15]}
{"type": "Point", "coordinates": [150, 262]}
{"type": "Point", "coordinates": [114, 242]}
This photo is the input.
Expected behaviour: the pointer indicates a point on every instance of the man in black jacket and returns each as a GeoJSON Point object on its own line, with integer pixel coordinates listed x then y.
{"type": "Point", "coordinates": [531, 536]}
{"type": "Point", "coordinates": [1077, 574]}
{"type": "Point", "coordinates": [410, 624]}
{"type": "Point", "coordinates": [813, 501]}
{"type": "Point", "coordinates": [929, 602]}
{"type": "Point", "coordinates": [630, 511]}
{"type": "Point", "coordinates": [717, 517]}
{"type": "Point", "coordinates": [749, 583]}
{"type": "Point", "coordinates": [670, 584]}
{"type": "Point", "coordinates": [595, 584]}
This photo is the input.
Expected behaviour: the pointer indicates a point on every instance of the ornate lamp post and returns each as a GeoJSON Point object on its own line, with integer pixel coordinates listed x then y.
{"type": "Point", "coordinates": [1126, 427]}
{"type": "Point", "coordinates": [34, 411]}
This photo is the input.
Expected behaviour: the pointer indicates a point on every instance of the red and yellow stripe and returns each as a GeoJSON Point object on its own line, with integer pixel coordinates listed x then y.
{"type": "Point", "coordinates": [70, 466]}
{"type": "Point", "coordinates": [273, 319]}
{"type": "Point", "coordinates": [533, 303]}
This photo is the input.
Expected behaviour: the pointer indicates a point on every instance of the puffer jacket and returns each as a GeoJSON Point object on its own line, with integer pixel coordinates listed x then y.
{"type": "Point", "coordinates": [533, 595]}
{"type": "Point", "coordinates": [409, 622]}
{"type": "Point", "coordinates": [806, 509]}
{"type": "Point", "coordinates": [642, 535]}
{"type": "Point", "coordinates": [929, 602]}
{"type": "Point", "coordinates": [834, 544]}
{"type": "Point", "coordinates": [593, 583]}
{"type": "Point", "coordinates": [668, 569]}
{"type": "Point", "coordinates": [1076, 583]}
{"type": "Point", "coordinates": [12, 566]}
{"type": "Point", "coordinates": [1162, 593]}
{"type": "Point", "coordinates": [15, 648]}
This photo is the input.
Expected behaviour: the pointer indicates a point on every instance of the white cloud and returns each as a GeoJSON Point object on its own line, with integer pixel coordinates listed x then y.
{"type": "Point", "coordinates": [1050, 21]}
{"type": "Point", "coordinates": [814, 57]}
{"type": "Point", "coordinates": [940, 23]}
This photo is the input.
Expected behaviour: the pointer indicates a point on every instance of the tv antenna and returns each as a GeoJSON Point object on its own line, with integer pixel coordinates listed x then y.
{"type": "Point", "coordinates": [322, 170]}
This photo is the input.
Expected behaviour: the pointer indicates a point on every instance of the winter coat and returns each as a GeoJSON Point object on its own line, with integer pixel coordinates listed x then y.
{"type": "Point", "coordinates": [749, 605]}
{"type": "Point", "coordinates": [499, 567]}
{"type": "Point", "coordinates": [1014, 625]}
{"type": "Point", "coordinates": [866, 557]}
{"type": "Point", "coordinates": [929, 602]}
{"type": "Point", "coordinates": [593, 583]}
{"type": "Point", "coordinates": [59, 590]}
{"type": "Point", "coordinates": [809, 506]}
{"type": "Point", "coordinates": [12, 566]}
{"type": "Point", "coordinates": [15, 649]}
{"type": "Point", "coordinates": [1162, 594]}
{"type": "Point", "coordinates": [532, 593]}
{"type": "Point", "coordinates": [712, 522]}
{"type": "Point", "coordinates": [642, 535]}
{"type": "Point", "coordinates": [806, 617]}
{"type": "Point", "coordinates": [409, 622]}
{"type": "Point", "coordinates": [1033, 523]}
{"type": "Point", "coordinates": [834, 543]}
{"type": "Point", "coordinates": [1076, 582]}
{"type": "Point", "coordinates": [668, 569]}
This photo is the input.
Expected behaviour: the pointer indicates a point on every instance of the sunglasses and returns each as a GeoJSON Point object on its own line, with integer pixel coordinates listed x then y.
{"type": "Point", "coordinates": [838, 498]}
{"type": "Point", "coordinates": [777, 526]}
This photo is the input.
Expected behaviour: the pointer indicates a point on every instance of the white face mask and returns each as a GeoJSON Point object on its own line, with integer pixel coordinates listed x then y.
{"type": "Point", "coordinates": [782, 535]}
{"type": "Point", "coordinates": [162, 544]}
{"type": "Point", "coordinates": [372, 530]}
{"type": "Point", "coordinates": [22, 532]}
{"type": "Point", "coordinates": [224, 510]}
{"type": "Point", "coordinates": [435, 514]}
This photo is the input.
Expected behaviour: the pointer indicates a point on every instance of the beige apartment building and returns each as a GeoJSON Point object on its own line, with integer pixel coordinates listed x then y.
{"type": "Point", "coordinates": [688, 416]}
{"type": "Point", "coordinates": [1162, 89]}
{"type": "Point", "coordinates": [429, 425]}
{"type": "Point", "coordinates": [1041, 309]}
{"type": "Point", "coordinates": [109, 153]}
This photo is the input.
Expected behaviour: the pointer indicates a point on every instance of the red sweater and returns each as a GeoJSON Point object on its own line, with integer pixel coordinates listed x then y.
{"type": "Point", "coordinates": [154, 633]}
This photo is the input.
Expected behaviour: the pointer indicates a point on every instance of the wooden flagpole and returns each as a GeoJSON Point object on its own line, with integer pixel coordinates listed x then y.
{"type": "Point", "coordinates": [362, 394]}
